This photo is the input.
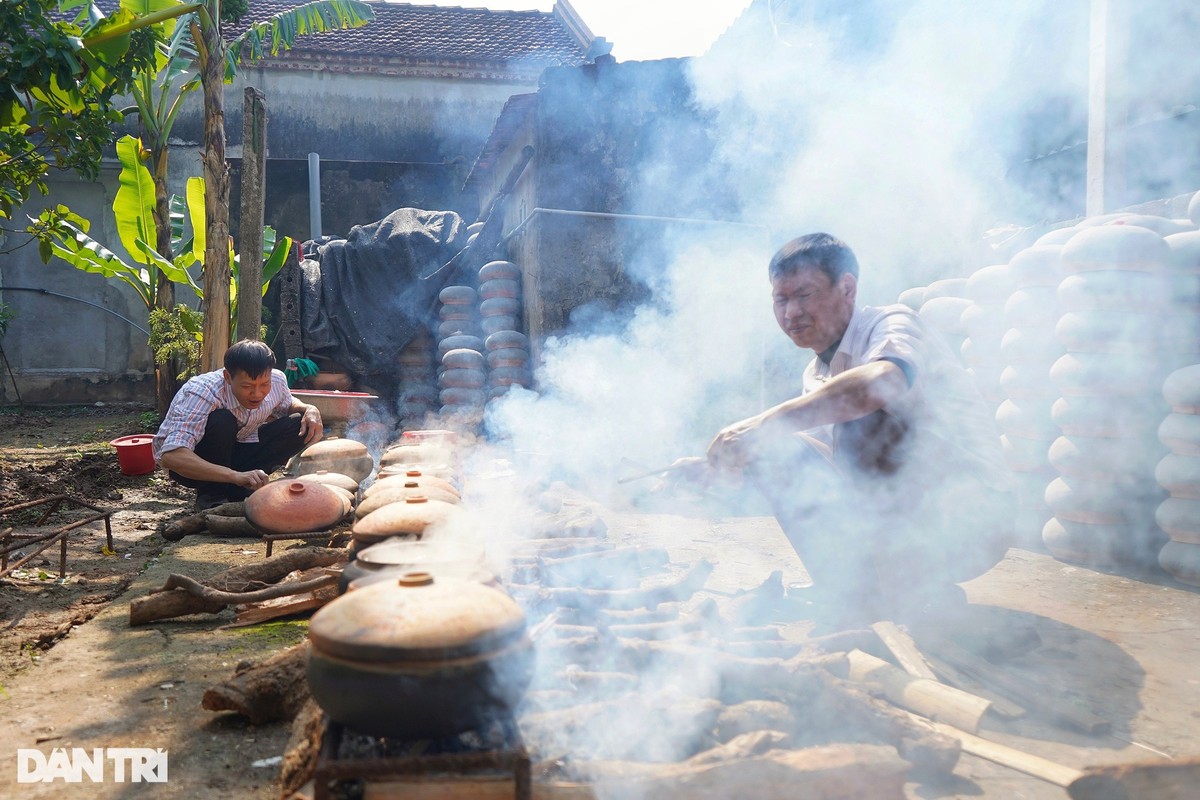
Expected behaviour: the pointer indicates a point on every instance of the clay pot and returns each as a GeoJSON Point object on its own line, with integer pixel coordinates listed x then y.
{"type": "Point", "coordinates": [500, 307]}
{"type": "Point", "coordinates": [462, 397]}
{"type": "Point", "coordinates": [498, 288]}
{"type": "Point", "coordinates": [331, 479]}
{"type": "Point", "coordinates": [508, 357]}
{"type": "Point", "coordinates": [417, 453]}
{"type": "Point", "coordinates": [403, 477]}
{"type": "Point", "coordinates": [455, 329]}
{"type": "Point", "coordinates": [400, 492]}
{"type": "Point", "coordinates": [499, 270]}
{"type": "Point", "coordinates": [463, 358]}
{"type": "Point", "coordinates": [463, 378]}
{"type": "Point", "coordinates": [425, 658]}
{"type": "Point", "coordinates": [449, 343]}
{"type": "Point", "coordinates": [443, 471]}
{"type": "Point", "coordinates": [413, 517]}
{"type": "Point", "coordinates": [440, 558]}
{"type": "Point", "coordinates": [457, 296]}
{"type": "Point", "coordinates": [506, 339]}
{"type": "Point", "coordinates": [503, 322]}
{"type": "Point", "coordinates": [293, 506]}
{"type": "Point", "coordinates": [337, 455]}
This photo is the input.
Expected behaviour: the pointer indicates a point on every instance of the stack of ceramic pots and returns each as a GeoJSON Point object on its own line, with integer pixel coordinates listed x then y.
{"type": "Point", "coordinates": [1179, 474]}
{"type": "Point", "coordinates": [457, 313]}
{"type": "Point", "coordinates": [942, 309]}
{"type": "Point", "coordinates": [508, 362]}
{"type": "Point", "coordinates": [983, 321]}
{"type": "Point", "coordinates": [462, 378]}
{"type": "Point", "coordinates": [1027, 350]}
{"type": "Point", "coordinates": [500, 297]}
{"type": "Point", "coordinates": [1112, 299]}
{"type": "Point", "coordinates": [418, 389]}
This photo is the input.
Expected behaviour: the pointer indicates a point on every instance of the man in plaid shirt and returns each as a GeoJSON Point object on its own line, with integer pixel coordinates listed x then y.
{"type": "Point", "coordinates": [228, 429]}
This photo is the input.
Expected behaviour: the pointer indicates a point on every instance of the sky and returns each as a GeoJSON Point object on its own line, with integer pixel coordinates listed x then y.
{"type": "Point", "coordinates": [640, 30]}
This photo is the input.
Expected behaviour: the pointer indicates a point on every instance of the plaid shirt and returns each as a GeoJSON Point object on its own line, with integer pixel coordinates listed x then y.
{"type": "Point", "coordinates": [204, 394]}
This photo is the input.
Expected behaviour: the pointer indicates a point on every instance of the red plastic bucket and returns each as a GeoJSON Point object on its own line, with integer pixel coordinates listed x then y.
{"type": "Point", "coordinates": [135, 454]}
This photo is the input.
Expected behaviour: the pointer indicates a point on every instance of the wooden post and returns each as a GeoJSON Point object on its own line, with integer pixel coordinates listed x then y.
{"type": "Point", "coordinates": [216, 195]}
{"type": "Point", "coordinates": [250, 238]}
{"type": "Point", "coordinates": [1108, 107]}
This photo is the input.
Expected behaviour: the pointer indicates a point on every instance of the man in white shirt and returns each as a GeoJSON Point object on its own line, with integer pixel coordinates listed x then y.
{"type": "Point", "coordinates": [886, 472]}
{"type": "Point", "coordinates": [228, 429]}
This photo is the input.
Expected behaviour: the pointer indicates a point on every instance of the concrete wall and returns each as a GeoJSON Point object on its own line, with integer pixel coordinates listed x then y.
{"type": "Point", "coordinates": [61, 350]}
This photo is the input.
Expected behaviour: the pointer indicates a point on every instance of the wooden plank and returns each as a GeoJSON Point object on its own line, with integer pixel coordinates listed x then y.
{"type": "Point", "coordinates": [902, 646]}
{"type": "Point", "coordinates": [928, 698]}
{"type": "Point", "coordinates": [1021, 691]}
{"type": "Point", "coordinates": [1011, 757]}
{"type": "Point", "coordinates": [1159, 779]}
{"type": "Point", "coordinates": [1001, 705]}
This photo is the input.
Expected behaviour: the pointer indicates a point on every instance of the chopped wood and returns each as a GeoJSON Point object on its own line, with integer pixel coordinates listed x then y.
{"type": "Point", "coordinates": [752, 605]}
{"type": "Point", "coordinates": [195, 523]}
{"type": "Point", "coordinates": [606, 681]}
{"type": "Point", "coordinates": [175, 581]}
{"type": "Point", "coordinates": [680, 588]}
{"type": "Point", "coordinates": [280, 607]}
{"type": "Point", "coordinates": [240, 527]}
{"type": "Point", "coordinates": [1036, 698]}
{"type": "Point", "coordinates": [274, 689]}
{"type": "Point", "coordinates": [704, 617]}
{"type": "Point", "coordinates": [621, 568]}
{"type": "Point", "coordinates": [615, 616]}
{"type": "Point", "coordinates": [904, 649]}
{"type": "Point", "coordinates": [1001, 705]}
{"type": "Point", "coordinates": [928, 698]}
{"type": "Point", "coordinates": [233, 586]}
{"type": "Point", "coordinates": [1038, 767]}
{"type": "Point", "coordinates": [833, 772]}
{"type": "Point", "coordinates": [755, 715]}
{"type": "Point", "coordinates": [1157, 779]}
{"type": "Point", "coordinates": [303, 748]}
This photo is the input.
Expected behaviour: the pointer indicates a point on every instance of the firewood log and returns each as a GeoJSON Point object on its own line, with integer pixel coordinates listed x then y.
{"type": "Point", "coordinates": [194, 523]}
{"type": "Point", "coordinates": [274, 689]}
{"type": "Point", "coordinates": [754, 715]}
{"type": "Point", "coordinates": [302, 749]}
{"type": "Point", "coordinates": [645, 597]}
{"type": "Point", "coordinates": [240, 527]}
{"type": "Point", "coordinates": [622, 568]}
{"type": "Point", "coordinates": [233, 586]}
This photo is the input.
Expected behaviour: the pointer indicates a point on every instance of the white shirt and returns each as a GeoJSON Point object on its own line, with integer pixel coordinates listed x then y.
{"type": "Point", "coordinates": [953, 429]}
{"type": "Point", "coordinates": [186, 418]}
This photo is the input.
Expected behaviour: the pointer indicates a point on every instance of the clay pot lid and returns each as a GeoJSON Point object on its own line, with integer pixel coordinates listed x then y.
{"type": "Point", "coordinates": [413, 517]}
{"type": "Point", "coordinates": [338, 479]}
{"type": "Point", "coordinates": [417, 453]}
{"type": "Point", "coordinates": [398, 493]}
{"type": "Point", "coordinates": [445, 472]}
{"type": "Point", "coordinates": [417, 618]}
{"type": "Point", "coordinates": [333, 447]}
{"type": "Point", "coordinates": [421, 555]}
{"type": "Point", "coordinates": [387, 479]}
{"type": "Point", "coordinates": [295, 506]}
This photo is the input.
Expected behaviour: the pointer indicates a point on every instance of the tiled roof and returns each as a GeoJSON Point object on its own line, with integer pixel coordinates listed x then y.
{"type": "Point", "coordinates": [453, 34]}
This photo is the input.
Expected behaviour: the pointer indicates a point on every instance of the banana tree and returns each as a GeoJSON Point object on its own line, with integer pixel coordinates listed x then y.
{"type": "Point", "coordinates": [133, 207]}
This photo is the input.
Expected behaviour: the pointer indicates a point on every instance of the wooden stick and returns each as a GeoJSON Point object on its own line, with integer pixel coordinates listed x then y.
{"type": "Point", "coordinates": [926, 697]}
{"type": "Point", "coordinates": [902, 646]}
{"type": "Point", "coordinates": [1021, 691]}
{"type": "Point", "coordinates": [1158, 779]}
{"type": "Point", "coordinates": [1038, 767]}
{"type": "Point", "coordinates": [194, 523]}
{"type": "Point", "coordinates": [1000, 705]}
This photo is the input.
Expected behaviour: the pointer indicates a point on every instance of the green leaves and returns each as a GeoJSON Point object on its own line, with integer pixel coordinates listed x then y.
{"type": "Point", "coordinates": [195, 203]}
{"type": "Point", "coordinates": [133, 205]}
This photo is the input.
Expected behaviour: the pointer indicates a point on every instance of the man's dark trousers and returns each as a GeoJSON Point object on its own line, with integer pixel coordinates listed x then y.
{"type": "Point", "coordinates": [278, 441]}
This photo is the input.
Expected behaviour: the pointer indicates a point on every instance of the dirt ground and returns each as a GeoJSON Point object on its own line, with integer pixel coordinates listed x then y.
{"type": "Point", "coordinates": [1124, 647]}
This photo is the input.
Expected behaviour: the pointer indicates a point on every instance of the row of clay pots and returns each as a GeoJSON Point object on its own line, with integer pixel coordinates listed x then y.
{"type": "Point", "coordinates": [1109, 402]}
{"type": "Point", "coordinates": [507, 349]}
{"type": "Point", "coordinates": [428, 651]}
{"type": "Point", "coordinates": [418, 387]}
{"type": "Point", "coordinates": [1179, 474]}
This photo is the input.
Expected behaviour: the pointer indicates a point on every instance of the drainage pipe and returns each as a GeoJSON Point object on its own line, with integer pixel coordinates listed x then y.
{"type": "Point", "coordinates": [314, 197]}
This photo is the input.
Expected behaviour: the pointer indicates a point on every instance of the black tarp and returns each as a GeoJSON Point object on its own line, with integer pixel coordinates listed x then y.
{"type": "Point", "coordinates": [366, 296]}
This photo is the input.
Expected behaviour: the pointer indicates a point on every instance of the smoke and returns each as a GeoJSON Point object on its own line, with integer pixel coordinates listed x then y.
{"type": "Point", "coordinates": [893, 126]}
